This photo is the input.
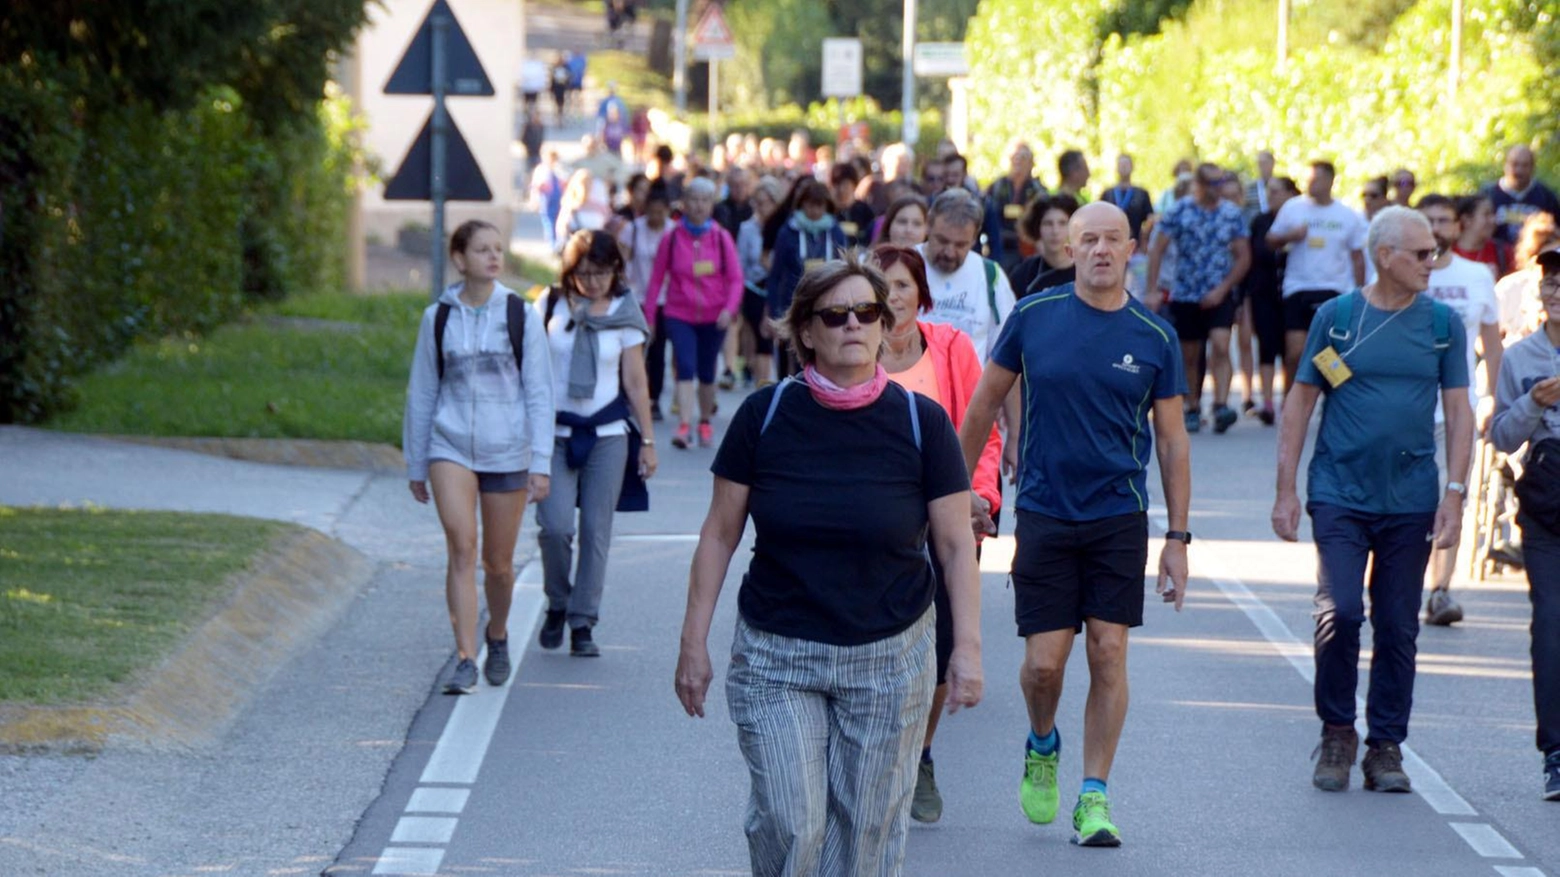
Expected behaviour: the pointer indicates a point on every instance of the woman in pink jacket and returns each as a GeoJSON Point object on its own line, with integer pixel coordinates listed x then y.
{"type": "Point", "coordinates": [698, 262]}
{"type": "Point", "coordinates": [938, 362]}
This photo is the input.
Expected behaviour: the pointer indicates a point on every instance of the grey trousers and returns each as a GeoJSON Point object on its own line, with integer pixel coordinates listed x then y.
{"type": "Point", "coordinates": [831, 735]}
{"type": "Point", "coordinates": [596, 488]}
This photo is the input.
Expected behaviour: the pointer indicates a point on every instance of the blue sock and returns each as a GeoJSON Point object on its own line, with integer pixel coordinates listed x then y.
{"type": "Point", "coordinates": [1046, 745]}
{"type": "Point", "coordinates": [1090, 784]}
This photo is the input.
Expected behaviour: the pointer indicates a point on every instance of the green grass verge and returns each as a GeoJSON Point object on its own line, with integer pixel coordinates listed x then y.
{"type": "Point", "coordinates": [91, 598]}
{"type": "Point", "coordinates": [327, 366]}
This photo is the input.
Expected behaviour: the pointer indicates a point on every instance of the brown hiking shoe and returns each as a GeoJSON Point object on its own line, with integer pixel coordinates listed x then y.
{"type": "Point", "coordinates": [1383, 769]}
{"type": "Point", "coordinates": [1335, 758]}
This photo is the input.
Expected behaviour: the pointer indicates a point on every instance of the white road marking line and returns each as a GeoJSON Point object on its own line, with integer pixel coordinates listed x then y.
{"type": "Point", "coordinates": [658, 537]}
{"type": "Point", "coordinates": [409, 860]}
{"type": "Point", "coordinates": [462, 747]}
{"type": "Point", "coordinates": [1517, 871]}
{"type": "Point", "coordinates": [1427, 782]}
{"type": "Point", "coordinates": [424, 830]}
{"type": "Point", "coordinates": [429, 800]}
{"type": "Point", "coordinates": [1485, 840]}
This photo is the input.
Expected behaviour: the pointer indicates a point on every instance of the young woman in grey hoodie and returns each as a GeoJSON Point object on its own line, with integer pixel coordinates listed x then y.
{"type": "Point", "coordinates": [479, 431]}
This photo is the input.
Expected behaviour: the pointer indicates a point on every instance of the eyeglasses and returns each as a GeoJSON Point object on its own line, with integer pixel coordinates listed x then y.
{"type": "Point", "coordinates": [1368, 194]}
{"type": "Point", "coordinates": [1423, 255]}
{"type": "Point", "coordinates": [1549, 288]}
{"type": "Point", "coordinates": [592, 276]}
{"type": "Point", "coordinates": [867, 313]}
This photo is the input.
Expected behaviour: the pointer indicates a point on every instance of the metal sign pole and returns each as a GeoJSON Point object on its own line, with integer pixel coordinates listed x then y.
{"type": "Point", "coordinates": [441, 126]}
{"type": "Point", "coordinates": [714, 99]}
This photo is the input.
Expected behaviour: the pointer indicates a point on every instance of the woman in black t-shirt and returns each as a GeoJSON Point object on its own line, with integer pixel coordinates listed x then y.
{"type": "Point", "coordinates": [832, 665]}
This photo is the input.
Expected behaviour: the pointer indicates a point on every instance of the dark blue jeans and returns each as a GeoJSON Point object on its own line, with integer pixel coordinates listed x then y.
{"type": "Point", "coordinates": [1395, 548]}
{"type": "Point", "coordinates": [1541, 553]}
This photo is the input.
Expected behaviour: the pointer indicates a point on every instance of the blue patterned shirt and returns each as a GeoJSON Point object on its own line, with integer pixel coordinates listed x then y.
{"type": "Point", "coordinates": [1202, 245]}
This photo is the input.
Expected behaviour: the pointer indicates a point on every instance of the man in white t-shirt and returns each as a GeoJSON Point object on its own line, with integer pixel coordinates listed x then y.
{"type": "Point", "coordinates": [1468, 289]}
{"type": "Point", "coordinates": [1326, 244]}
{"type": "Point", "coordinates": [969, 292]}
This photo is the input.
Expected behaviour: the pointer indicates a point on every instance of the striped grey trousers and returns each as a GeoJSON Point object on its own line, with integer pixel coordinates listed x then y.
{"type": "Point", "coordinates": [832, 736]}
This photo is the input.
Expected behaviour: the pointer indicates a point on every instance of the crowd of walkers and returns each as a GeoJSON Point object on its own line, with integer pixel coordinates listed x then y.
{"type": "Point", "coordinates": [911, 337]}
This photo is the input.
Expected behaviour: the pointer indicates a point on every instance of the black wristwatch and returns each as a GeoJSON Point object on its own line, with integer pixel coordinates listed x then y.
{"type": "Point", "coordinates": [1179, 536]}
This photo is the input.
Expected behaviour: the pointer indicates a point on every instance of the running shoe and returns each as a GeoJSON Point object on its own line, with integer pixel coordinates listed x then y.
{"type": "Point", "coordinates": [706, 434]}
{"type": "Point", "coordinates": [1193, 421]}
{"type": "Point", "coordinates": [1037, 794]}
{"type": "Point", "coordinates": [464, 679]}
{"type": "Point", "coordinates": [1267, 416]}
{"type": "Point", "coordinates": [1224, 417]}
{"type": "Point", "coordinates": [1441, 610]}
{"type": "Point", "coordinates": [1091, 822]}
{"type": "Point", "coordinates": [1552, 776]}
{"type": "Point", "coordinates": [1383, 768]}
{"type": "Point", "coordinates": [552, 630]}
{"type": "Point", "coordinates": [926, 805]}
{"type": "Point", "coordinates": [655, 412]}
{"type": "Point", "coordinates": [682, 438]}
{"type": "Point", "coordinates": [496, 667]}
{"type": "Point", "coordinates": [728, 380]}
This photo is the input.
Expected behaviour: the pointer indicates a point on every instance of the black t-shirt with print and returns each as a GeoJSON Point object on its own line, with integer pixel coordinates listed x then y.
{"type": "Point", "coordinates": [838, 501]}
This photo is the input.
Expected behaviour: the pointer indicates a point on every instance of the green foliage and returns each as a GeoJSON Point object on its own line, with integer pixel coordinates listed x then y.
{"type": "Point", "coordinates": [156, 164]}
{"type": "Point", "coordinates": [1366, 84]}
{"type": "Point", "coordinates": [321, 366]}
{"type": "Point", "coordinates": [779, 52]}
{"type": "Point", "coordinates": [822, 122]}
{"type": "Point", "coordinates": [92, 598]}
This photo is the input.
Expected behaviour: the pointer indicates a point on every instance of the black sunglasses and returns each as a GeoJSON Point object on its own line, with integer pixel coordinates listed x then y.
{"type": "Point", "coordinates": [866, 312]}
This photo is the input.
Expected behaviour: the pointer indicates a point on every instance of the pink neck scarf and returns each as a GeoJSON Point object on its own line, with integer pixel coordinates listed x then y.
{"type": "Point", "coordinates": [832, 396]}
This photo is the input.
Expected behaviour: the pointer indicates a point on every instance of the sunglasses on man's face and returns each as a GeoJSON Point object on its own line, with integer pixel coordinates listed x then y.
{"type": "Point", "coordinates": [866, 312]}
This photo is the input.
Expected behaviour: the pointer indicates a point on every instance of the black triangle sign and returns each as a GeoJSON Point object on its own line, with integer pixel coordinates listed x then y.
{"type": "Point", "coordinates": [463, 180]}
{"type": "Point", "coordinates": [414, 75]}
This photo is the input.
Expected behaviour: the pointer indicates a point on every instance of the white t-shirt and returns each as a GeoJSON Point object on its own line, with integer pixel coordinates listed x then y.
{"type": "Point", "coordinates": [612, 343]}
{"type": "Point", "coordinates": [1469, 290]}
{"type": "Point", "coordinates": [642, 241]}
{"type": "Point", "coordinates": [1517, 294]}
{"type": "Point", "coordinates": [962, 300]}
{"type": "Point", "coordinates": [1321, 261]}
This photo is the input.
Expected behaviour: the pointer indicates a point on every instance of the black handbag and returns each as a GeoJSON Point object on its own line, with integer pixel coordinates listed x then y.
{"type": "Point", "coordinates": [1538, 490]}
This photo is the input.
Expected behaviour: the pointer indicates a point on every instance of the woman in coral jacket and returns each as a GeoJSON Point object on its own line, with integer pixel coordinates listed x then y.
{"type": "Point", "coordinates": [938, 362]}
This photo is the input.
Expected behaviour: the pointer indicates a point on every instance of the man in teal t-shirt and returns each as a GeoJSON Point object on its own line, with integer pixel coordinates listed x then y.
{"type": "Point", "coordinates": [1095, 363]}
{"type": "Point", "coordinates": [1380, 355]}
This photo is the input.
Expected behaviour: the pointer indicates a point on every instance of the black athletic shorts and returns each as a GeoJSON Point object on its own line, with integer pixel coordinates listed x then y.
{"type": "Point", "coordinates": [1067, 571]}
{"type": "Point", "coordinates": [1193, 322]}
{"type": "Point", "coordinates": [755, 310]}
{"type": "Point", "coordinates": [1300, 307]}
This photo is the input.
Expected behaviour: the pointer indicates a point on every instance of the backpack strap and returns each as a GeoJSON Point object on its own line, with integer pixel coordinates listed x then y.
{"type": "Point", "coordinates": [517, 309]}
{"type": "Point", "coordinates": [441, 318]}
{"type": "Point", "coordinates": [1344, 309]}
{"type": "Point", "coordinates": [1441, 316]}
{"type": "Point", "coordinates": [774, 403]}
{"type": "Point", "coordinates": [915, 417]}
{"type": "Point", "coordinates": [991, 290]}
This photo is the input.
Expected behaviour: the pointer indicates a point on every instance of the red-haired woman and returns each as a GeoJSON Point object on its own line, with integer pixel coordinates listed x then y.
{"type": "Point", "coordinates": [938, 362]}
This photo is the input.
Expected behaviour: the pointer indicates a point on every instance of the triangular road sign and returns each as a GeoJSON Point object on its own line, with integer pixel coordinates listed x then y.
{"type": "Point", "coordinates": [414, 75]}
{"type": "Point", "coordinates": [463, 180]}
{"type": "Point", "coordinates": [712, 29]}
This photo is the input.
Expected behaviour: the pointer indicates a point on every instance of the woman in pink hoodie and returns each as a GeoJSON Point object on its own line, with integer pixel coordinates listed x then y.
{"type": "Point", "coordinates": [698, 262]}
{"type": "Point", "coordinates": [939, 362]}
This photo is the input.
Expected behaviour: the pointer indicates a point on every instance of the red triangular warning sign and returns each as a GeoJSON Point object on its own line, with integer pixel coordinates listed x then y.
{"type": "Point", "coordinates": [712, 29]}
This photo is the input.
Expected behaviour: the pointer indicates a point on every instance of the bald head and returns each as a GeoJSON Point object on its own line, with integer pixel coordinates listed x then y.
{"type": "Point", "coordinates": [1519, 168]}
{"type": "Point", "coordinates": [1099, 241]}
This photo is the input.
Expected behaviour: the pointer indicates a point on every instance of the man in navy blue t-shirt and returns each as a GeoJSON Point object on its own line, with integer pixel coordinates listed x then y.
{"type": "Point", "coordinates": [1095, 364]}
{"type": "Point", "coordinates": [1382, 356]}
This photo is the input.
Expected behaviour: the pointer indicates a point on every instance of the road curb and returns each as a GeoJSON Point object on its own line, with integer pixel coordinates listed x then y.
{"type": "Point", "coordinates": [291, 596]}
{"type": "Point", "coordinates": [287, 452]}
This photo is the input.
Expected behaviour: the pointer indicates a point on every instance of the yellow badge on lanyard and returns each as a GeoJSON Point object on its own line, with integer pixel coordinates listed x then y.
{"type": "Point", "coordinates": [812, 264]}
{"type": "Point", "coordinates": [1012, 211]}
{"type": "Point", "coordinates": [703, 268]}
{"type": "Point", "coordinates": [1334, 370]}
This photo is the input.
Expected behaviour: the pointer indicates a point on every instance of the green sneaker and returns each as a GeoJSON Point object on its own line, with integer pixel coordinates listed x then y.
{"type": "Point", "coordinates": [1091, 821]}
{"type": "Point", "coordinates": [1037, 793]}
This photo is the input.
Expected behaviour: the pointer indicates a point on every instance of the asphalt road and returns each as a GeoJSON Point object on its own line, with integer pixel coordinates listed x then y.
{"type": "Point", "coordinates": [592, 768]}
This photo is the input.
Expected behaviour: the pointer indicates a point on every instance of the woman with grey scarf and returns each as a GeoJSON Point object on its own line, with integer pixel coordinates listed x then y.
{"type": "Point", "coordinates": [596, 334]}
